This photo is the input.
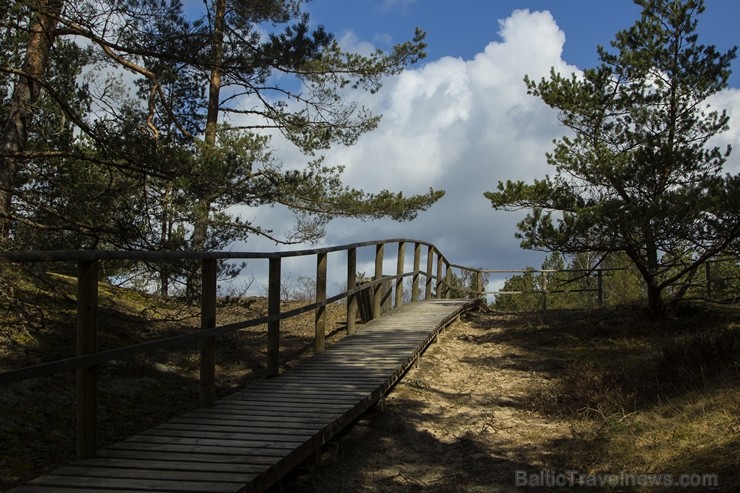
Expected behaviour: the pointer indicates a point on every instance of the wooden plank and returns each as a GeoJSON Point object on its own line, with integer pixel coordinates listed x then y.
{"type": "Point", "coordinates": [349, 369]}
{"type": "Point", "coordinates": [347, 359]}
{"type": "Point", "coordinates": [281, 409]}
{"type": "Point", "coordinates": [306, 401]}
{"type": "Point", "coordinates": [206, 449]}
{"type": "Point", "coordinates": [351, 366]}
{"type": "Point", "coordinates": [291, 398]}
{"type": "Point", "coordinates": [276, 408]}
{"type": "Point", "coordinates": [159, 474]}
{"type": "Point", "coordinates": [190, 457]}
{"type": "Point", "coordinates": [302, 408]}
{"type": "Point", "coordinates": [137, 484]}
{"type": "Point", "coordinates": [329, 379]}
{"type": "Point", "coordinates": [296, 422]}
{"type": "Point", "coordinates": [297, 384]}
{"type": "Point", "coordinates": [72, 489]}
{"type": "Point", "coordinates": [285, 428]}
{"type": "Point", "coordinates": [226, 435]}
{"type": "Point", "coordinates": [349, 375]}
{"type": "Point", "coordinates": [206, 425]}
{"type": "Point", "coordinates": [264, 400]}
{"type": "Point", "coordinates": [166, 465]}
{"type": "Point", "coordinates": [323, 412]}
{"type": "Point", "coordinates": [250, 443]}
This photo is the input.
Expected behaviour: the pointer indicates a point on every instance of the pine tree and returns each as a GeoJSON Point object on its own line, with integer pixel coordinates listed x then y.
{"type": "Point", "coordinates": [166, 150]}
{"type": "Point", "coordinates": [637, 175]}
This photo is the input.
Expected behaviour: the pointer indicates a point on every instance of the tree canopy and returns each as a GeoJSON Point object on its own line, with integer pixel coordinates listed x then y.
{"type": "Point", "coordinates": [129, 124]}
{"type": "Point", "coordinates": [637, 173]}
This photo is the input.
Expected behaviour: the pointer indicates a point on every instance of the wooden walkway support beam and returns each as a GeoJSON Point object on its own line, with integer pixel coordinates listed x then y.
{"type": "Point", "coordinates": [415, 278]}
{"type": "Point", "coordinates": [208, 321]}
{"type": "Point", "coordinates": [378, 289]}
{"type": "Point", "coordinates": [438, 288]}
{"type": "Point", "coordinates": [430, 264]}
{"type": "Point", "coordinates": [273, 310]}
{"type": "Point", "coordinates": [87, 343]}
{"type": "Point", "coordinates": [400, 264]}
{"type": "Point", "coordinates": [320, 312]}
{"type": "Point", "coordinates": [351, 284]}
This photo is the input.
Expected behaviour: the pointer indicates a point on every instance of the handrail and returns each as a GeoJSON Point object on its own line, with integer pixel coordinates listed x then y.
{"type": "Point", "coordinates": [161, 255]}
{"type": "Point", "coordinates": [99, 357]}
{"type": "Point", "coordinates": [599, 276]}
{"type": "Point", "coordinates": [88, 357]}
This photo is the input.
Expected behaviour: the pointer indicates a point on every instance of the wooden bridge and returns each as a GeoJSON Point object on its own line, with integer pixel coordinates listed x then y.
{"type": "Point", "coordinates": [249, 440]}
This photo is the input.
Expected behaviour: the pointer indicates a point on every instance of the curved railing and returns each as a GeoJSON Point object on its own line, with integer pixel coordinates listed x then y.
{"type": "Point", "coordinates": [88, 356]}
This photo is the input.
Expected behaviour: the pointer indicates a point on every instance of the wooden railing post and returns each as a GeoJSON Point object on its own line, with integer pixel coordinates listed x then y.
{"type": "Point", "coordinates": [448, 280]}
{"type": "Point", "coordinates": [87, 342]}
{"type": "Point", "coordinates": [273, 326]}
{"type": "Point", "coordinates": [351, 284]}
{"type": "Point", "coordinates": [440, 262]}
{"type": "Point", "coordinates": [400, 264]}
{"type": "Point", "coordinates": [320, 314]}
{"type": "Point", "coordinates": [208, 321]}
{"type": "Point", "coordinates": [600, 286]}
{"type": "Point", "coordinates": [415, 279]}
{"type": "Point", "coordinates": [430, 263]}
{"type": "Point", "coordinates": [378, 291]}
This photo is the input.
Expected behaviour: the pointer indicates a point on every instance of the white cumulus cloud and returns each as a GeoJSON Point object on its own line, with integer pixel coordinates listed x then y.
{"type": "Point", "coordinates": [460, 125]}
{"type": "Point", "coordinates": [463, 125]}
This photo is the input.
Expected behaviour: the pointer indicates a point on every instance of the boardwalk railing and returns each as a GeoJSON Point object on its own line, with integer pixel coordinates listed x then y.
{"type": "Point", "coordinates": [88, 357]}
{"type": "Point", "coordinates": [708, 286]}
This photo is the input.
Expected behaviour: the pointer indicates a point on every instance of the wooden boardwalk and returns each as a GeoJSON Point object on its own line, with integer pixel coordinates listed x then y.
{"type": "Point", "coordinates": [249, 440]}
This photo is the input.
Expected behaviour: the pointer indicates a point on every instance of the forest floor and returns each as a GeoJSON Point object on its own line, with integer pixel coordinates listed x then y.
{"type": "Point", "coordinates": [503, 399]}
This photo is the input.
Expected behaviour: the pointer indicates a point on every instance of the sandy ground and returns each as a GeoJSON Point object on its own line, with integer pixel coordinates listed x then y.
{"type": "Point", "coordinates": [456, 423]}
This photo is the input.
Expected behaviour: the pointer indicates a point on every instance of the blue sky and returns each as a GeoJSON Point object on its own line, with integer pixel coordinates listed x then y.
{"type": "Point", "coordinates": [463, 27]}
{"type": "Point", "coordinates": [461, 120]}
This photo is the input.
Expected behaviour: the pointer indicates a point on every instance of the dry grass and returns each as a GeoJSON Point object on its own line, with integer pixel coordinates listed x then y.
{"type": "Point", "coordinates": [596, 391]}
{"type": "Point", "coordinates": [38, 324]}
{"type": "Point", "coordinates": [660, 397]}
{"type": "Point", "coordinates": [600, 392]}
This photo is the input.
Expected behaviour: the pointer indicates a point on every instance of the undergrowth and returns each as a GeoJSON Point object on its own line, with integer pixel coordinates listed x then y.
{"type": "Point", "coordinates": [650, 397]}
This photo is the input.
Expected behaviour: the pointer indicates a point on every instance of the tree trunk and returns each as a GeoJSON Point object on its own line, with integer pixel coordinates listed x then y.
{"type": "Point", "coordinates": [26, 92]}
{"type": "Point", "coordinates": [656, 306]}
{"type": "Point", "coordinates": [203, 207]}
{"type": "Point", "coordinates": [200, 228]}
{"type": "Point", "coordinates": [165, 239]}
